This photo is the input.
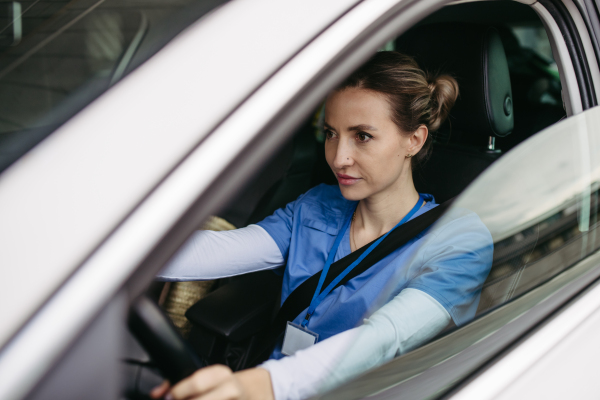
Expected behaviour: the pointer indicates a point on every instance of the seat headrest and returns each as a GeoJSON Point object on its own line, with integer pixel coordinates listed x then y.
{"type": "Point", "coordinates": [474, 55]}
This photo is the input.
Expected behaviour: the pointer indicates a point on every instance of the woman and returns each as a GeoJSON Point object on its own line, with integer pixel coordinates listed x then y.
{"type": "Point", "coordinates": [377, 126]}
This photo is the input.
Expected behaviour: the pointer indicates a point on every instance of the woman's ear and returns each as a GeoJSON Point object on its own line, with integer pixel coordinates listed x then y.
{"type": "Point", "coordinates": [417, 140]}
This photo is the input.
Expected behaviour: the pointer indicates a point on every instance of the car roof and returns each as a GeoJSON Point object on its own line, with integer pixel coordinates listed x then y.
{"type": "Point", "coordinates": [64, 197]}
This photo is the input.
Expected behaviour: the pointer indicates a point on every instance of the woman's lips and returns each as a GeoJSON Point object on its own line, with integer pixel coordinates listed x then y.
{"type": "Point", "coordinates": [346, 180]}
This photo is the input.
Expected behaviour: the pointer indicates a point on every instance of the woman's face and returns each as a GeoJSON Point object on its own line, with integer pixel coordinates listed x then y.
{"type": "Point", "coordinates": [364, 148]}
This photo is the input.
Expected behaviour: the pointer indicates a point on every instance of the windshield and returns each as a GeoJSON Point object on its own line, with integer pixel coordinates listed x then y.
{"type": "Point", "coordinates": [57, 56]}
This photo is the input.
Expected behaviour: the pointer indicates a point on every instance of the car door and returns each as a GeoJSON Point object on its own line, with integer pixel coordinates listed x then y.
{"type": "Point", "coordinates": [127, 257]}
{"type": "Point", "coordinates": [98, 209]}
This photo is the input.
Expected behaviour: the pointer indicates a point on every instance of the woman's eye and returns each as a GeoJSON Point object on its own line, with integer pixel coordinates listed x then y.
{"type": "Point", "coordinates": [329, 134]}
{"type": "Point", "coordinates": [363, 137]}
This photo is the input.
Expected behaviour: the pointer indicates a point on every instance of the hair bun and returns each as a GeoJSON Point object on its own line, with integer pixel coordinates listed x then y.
{"type": "Point", "coordinates": [444, 92]}
{"type": "Point", "coordinates": [416, 98]}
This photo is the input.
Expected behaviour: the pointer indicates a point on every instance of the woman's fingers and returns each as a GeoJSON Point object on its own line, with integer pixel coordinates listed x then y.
{"type": "Point", "coordinates": [227, 390]}
{"type": "Point", "coordinates": [201, 382]}
{"type": "Point", "coordinates": [159, 391]}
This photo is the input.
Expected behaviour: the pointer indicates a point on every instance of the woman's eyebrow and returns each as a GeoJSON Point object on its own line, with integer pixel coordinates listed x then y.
{"type": "Point", "coordinates": [362, 127]}
{"type": "Point", "coordinates": [356, 128]}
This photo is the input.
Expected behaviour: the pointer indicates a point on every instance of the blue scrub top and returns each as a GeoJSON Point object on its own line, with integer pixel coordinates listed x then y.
{"type": "Point", "coordinates": [449, 261]}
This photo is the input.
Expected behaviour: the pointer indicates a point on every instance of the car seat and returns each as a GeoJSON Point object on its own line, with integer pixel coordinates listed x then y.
{"type": "Point", "coordinates": [536, 90]}
{"type": "Point", "coordinates": [285, 177]}
{"type": "Point", "coordinates": [464, 146]}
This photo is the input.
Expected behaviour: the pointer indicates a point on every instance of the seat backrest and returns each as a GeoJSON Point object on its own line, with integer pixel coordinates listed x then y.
{"type": "Point", "coordinates": [474, 55]}
{"type": "Point", "coordinates": [285, 177]}
{"type": "Point", "coordinates": [295, 180]}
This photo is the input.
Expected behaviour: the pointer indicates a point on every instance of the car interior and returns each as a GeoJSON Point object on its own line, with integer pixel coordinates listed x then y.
{"type": "Point", "coordinates": [510, 90]}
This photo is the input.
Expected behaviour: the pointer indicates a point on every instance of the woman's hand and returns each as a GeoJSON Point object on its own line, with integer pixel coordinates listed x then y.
{"type": "Point", "coordinates": [218, 382]}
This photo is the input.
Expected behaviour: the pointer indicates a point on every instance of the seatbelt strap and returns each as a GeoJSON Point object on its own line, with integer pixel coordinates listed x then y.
{"type": "Point", "coordinates": [301, 297]}
{"type": "Point", "coordinates": [319, 295]}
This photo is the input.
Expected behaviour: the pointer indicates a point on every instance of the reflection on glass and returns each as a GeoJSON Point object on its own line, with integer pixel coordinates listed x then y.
{"type": "Point", "coordinates": [540, 204]}
{"type": "Point", "coordinates": [71, 51]}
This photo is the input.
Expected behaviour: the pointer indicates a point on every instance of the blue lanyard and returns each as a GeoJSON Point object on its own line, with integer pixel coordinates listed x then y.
{"type": "Point", "coordinates": [318, 298]}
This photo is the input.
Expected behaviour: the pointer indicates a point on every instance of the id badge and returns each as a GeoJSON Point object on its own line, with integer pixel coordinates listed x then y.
{"type": "Point", "coordinates": [297, 338]}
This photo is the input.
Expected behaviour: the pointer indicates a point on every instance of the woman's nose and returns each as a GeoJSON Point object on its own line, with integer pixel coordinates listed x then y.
{"type": "Point", "coordinates": [343, 156]}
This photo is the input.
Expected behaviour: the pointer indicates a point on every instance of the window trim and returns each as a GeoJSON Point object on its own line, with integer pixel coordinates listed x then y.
{"type": "Point", "coordinates": [593, 21]}
{"type": "Point", "coordinates": [568, 80]}
{"type": "Point", "coordinates": [590, 45]}
{"type": "Point", "coordinates": [574, 46]}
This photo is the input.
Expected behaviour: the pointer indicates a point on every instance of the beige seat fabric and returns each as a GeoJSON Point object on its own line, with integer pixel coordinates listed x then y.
{"type": "Point", "coordinates": [177, 297]}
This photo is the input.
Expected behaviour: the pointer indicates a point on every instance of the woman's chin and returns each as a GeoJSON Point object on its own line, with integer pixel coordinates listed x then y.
{"type": "Point", "coordinates": [352, 192]}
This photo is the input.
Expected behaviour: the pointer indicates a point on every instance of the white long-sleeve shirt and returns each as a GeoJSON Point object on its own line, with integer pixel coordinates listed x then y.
{"type": "Point", "coordinates": [209, 255]}
{"type": "Point", "coordinates": [408, 320]}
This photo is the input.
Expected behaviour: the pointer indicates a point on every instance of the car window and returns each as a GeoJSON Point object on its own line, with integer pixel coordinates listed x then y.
{"type": "Point", "coordinates": [540, 205]}
{"type": "Point", "coordinates": [57, 56]}
{"type": "Point", "coordinates": [534, 58]}
{"type": "Point", "coordinates": [525, 251]}
{"type": "Point", "coordinates": [534, 38]}
{"type": "Point", "coordinates": [535, 80]}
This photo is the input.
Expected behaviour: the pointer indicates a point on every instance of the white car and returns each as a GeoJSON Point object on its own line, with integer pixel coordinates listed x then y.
{"type": "Point", "coordinates": [126, 124]}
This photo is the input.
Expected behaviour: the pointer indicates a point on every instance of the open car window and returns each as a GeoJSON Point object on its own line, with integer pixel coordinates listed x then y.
{"type": "Point", "coordinates": [518, 249]}
{"type": "Point", "coordinates": [540, 205]}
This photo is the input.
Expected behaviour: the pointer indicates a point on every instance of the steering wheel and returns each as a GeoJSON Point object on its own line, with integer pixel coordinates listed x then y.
{"type": "Point", "coordinates": [156, 334]}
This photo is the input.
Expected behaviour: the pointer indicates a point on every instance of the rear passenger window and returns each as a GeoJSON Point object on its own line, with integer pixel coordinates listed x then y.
{"type": "Point", "coordinates": [535, 81]}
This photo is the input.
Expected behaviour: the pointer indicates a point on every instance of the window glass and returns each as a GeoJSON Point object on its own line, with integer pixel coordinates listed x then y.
{"type": "Point", "coordinates": [57, 56]}
{"type": "Point", "coordinates": [543, 211]}
{"type": "Point", "coordinates": [536, 50]}
{"type": "Point", "coordinates": [540, 205]}
{"type": "Point", "coordinates": [535, 81]}
{"type": "Point", "coordinates": [535, 39]}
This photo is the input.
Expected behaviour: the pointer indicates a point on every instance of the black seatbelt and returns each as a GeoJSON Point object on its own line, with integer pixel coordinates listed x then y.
{"type": "Point", "coordinates": [300, 298]}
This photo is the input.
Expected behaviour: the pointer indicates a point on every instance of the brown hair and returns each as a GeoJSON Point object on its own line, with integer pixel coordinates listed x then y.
{"type": "Point", "coordinates": [416, 97]}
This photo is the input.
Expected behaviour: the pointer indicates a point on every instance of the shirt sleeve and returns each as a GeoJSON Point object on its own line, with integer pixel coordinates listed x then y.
{"type": "Point", "coordinates": [407, 321]}
{"type": "Point", "coordinates": [455, 263]}
{"type": "Point", "coordinates": [211, 255]}
{"type": "Point", "coordinates": [279, 226]}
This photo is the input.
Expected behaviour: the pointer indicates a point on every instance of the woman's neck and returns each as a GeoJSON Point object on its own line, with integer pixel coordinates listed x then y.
{"type": "Point", "coordinates": [379, 213]}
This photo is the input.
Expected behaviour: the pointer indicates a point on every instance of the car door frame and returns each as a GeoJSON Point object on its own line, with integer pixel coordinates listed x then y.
{"type": "Point", "coordinates": [570, 33]}
{"type": "Point", "coordinates": [139, 247]}
{"type": "Point", "coordinates": [134, 252]}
